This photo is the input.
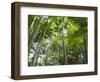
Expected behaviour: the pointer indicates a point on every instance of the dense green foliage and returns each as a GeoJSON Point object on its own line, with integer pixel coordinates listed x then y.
{"type": "Point", "coordinates": [57, 40]}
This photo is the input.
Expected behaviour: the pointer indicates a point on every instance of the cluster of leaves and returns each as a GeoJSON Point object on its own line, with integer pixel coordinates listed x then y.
{"type": "Point", "coordinates": [57, 40]}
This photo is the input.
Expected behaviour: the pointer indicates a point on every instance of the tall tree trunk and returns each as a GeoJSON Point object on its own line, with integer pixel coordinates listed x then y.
{"type": "Point", "coordinates": [85, 48]}
{"type": "Point", "coordinates": [34, 34]}
{"type": "Point", "coordinates": [63, 44]}
{"type": "Point", "coordinates": [37, 53]}
{"type": "Point", "coordinates": [29, 30]}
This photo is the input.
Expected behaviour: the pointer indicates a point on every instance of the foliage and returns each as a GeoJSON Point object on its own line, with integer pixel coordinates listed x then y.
{"type": "Point", "coordinates": [57, 40]}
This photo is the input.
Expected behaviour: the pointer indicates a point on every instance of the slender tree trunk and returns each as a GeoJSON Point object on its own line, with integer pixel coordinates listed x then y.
{"type": "Point", "coordinates": [85, 48]}
{"type": "Point", "coordinates": [37, 53]}
{"type": "Point", "coordinates": [29, 30]}
{"type": "Point", "coordinates": [63, 44]}
{"type": "Point", "coordinates": [31, 26]}
{"type": "Point", "coordinates": [34, 34]}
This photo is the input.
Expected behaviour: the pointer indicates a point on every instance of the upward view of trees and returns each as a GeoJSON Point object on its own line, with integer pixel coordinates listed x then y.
{"type": "Point", "coordinates": [57, 40]}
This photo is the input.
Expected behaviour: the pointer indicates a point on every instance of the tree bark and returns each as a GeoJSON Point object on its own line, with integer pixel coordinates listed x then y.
{"type": "Point", "coordinates": [34, 34]}
{"type": "Point", "coordinates": [37, 53]}
{"type": "Point", "coordinates": [85, 48]}
{"type": "Point", "coordinates": [31, 26]}
{"type": "Point", "coordinates": [63, 44]}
